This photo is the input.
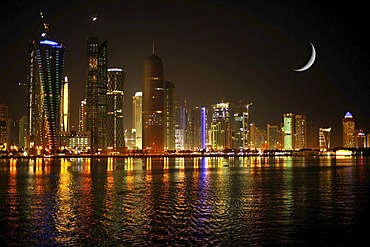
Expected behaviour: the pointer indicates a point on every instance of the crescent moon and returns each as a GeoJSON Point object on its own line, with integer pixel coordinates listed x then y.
{"type": "Point", "coordinates": [310, 62]}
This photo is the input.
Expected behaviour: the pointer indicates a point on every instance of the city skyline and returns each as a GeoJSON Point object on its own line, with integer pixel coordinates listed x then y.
{"type": "Point", "coordinates": [219, 51]}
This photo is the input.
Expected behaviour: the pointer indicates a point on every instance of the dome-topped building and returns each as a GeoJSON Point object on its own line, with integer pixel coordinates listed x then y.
{"type": "Point", "coordinates": [153, 105]}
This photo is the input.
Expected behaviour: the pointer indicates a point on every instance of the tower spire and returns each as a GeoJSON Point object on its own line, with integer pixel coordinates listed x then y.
{"type": "Point", "coordinates": [45, 28]}
{"type": "Point", "coordinates": [153, 47]}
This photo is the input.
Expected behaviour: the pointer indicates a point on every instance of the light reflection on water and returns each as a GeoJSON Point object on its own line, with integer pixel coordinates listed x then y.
{"type": "Point", "coordinates": [178, 201]}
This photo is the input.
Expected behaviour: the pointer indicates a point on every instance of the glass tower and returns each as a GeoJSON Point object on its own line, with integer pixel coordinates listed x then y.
{"type": "Point", "coordinates": [115, 93]}
{"type": "Point", "coordinates": [44, 92]}
{"type": "Point", "coordinates": [288, 131]}
{"type": "Point", "coordinates": [96, 89]}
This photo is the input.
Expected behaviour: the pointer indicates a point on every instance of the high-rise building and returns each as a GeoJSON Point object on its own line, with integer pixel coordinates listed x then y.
{"type": "Point", "coordinates": [171, 113]}
{"type": "Point", "coordinates": [153, 105]}
{"type": "Point", "coordinates": [23, 132]}
{"type": "Point", "coordinates": [82, 116]}
{"type": "Point", "coordinates": [300, 133]}
{"type": "Point", "coordinates": [115, 93]}
{"type": "Point", "coordinates": [96, 89]}
{"type": "Point", "coordinates": [288, 131]}
{"type": "Point", "coordinates": [14, 133]}
{"type": "Point", "coordinates": [324, 138]}
{"type": "Point", "coordinates": [46, 62]}
{"type": "Point", "coordinates": [272, 136]}
{"type": "Point", "coordinates": [197, 128]}
{"type": "Point", "coordinates": [4, 126]}
{"type": "Point", "coordinates": [65, 106]}
{"type": "Point", "coordinates": [137, 115]}
{"type": "Point", "coordinates": [349, 131]}
{"type": "Point", "coordinates": [361, 139]}
{"type": "Point", "coordinates": [220, 126]}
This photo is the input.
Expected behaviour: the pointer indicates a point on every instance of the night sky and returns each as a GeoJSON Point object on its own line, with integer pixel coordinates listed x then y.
{"type": "Point", "coordinates": [211, 50]}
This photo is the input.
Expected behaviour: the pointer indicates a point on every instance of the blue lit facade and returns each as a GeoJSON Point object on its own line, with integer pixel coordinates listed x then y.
{"type": "Point", "coordinates": [44, 93]}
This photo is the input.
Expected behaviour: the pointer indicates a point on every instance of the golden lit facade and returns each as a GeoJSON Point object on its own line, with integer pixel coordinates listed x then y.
{"type": "Point", "coordinates": [137, 116]}
{"type": "Point", "coordinates": [300, 133]}
{"type": "Point", "coordinates": [349, 131]}
{"type": "Point", "coordinates": [65, 106]}
{"type": "Point", "coordinates": [4, 127]}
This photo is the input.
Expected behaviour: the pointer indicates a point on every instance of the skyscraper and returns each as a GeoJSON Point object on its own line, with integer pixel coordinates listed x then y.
{"type": "Point", "coordinates": [137, 114]}
{"type": "Point", "coordinates": [82, 116]}
{"type": "Point", "coordinates": [153, 105]}
{"type": "Point", "coordinates": [65, 106]}
{"type": "Point", "coordinates": [96, 89]}
{"type": "Point", "coordinates": [220, 126]}
{"type": "Point", "coordinates": [349, 132]}
{"type": "Point", "coordinates": [324, 138]}
{"type": "Point", "coordinates": [272, 136]}
{"type": "Point", "coordinates": [46, 62]}
{"type": "Point", "coordinates": [4, 126]}
{"type": "Point", "coordinates": [115, 93]}
{"type": "Point", "coordinates": [171, 115]}
{"type": "Point", "coordinates": [288, 131]}
{"type": "Point", "coordinates": [300, 133]}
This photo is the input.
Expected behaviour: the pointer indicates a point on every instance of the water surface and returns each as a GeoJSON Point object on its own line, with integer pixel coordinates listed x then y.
{"type": "Point", "coordinates": [251, 201]}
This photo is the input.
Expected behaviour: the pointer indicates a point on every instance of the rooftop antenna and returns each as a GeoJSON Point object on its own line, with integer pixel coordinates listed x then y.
{"type": "Point", "coordinates": [94, 19]}
{"type": "Point", "coordinates": [45, 29]}
{"type": "Point", "coordinates": [222, 100]}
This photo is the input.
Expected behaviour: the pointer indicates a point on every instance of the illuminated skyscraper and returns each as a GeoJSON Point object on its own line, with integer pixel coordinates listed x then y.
{"type": "Point", "coordinates": [272, 136]}
{"type": "Point", "coordinates": [324, 138]}
{"type": "Point", "coordinates": [171, 115]}
{"type": "Point", "coordinates": [153, 105]}
{"type": "Point", "coordinates": [137, 115]}
{"type": "Point", "coordinates": [44, 91]}
{"type": "Point", "coordinates": [300, 133]}
{"type": "Point", "coordinates": [65, 106]}
{"type": "Point", "coordinates": [23, 132]}
{"type": "Point", "coordinates": [361, 139]}
{"type": "Point", "coordinates": [288, 131]}
{"type": "Point", "coordinates": [220, 126]}
{"type": "Point", "coordinates": [4, 126]}
{"type": "Point", "coordinates": [82, 116]}
{"type": "Point", "coordinates": [349, 132]}
{"type": "Point", "coordinates": [115, 93]}
{"type": "Point", "coordinates": [96, 88]}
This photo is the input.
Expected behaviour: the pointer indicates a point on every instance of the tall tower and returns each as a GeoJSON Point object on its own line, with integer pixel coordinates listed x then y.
{"type": "Point", "coordinates": [170, 115]}
{"type": "Point", "coordinates": [115, 93]}
{"type": "Point", "coordinates": [65, 106]}
{"type": "Point", "coordinates": [349, 132]}
{"type": "Point", "coordinates": [82, 116]}
{"type": "Point", "coordinates": [153, 105]}
{"type": "Point", "coordinates": [137, 114]}
{"type": "Point", "coordinates": [46, 62]}
{"type": "Point", "coordinates": [288, 131]}
{"type": "Point", "coordinates": [4, 126]}
{"type": "Point", "coordinates": [300, 131]}
{"type": "Point", "coordinates": [272, 136]}
{"type": "Point", "coordinates": [96, 89]}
